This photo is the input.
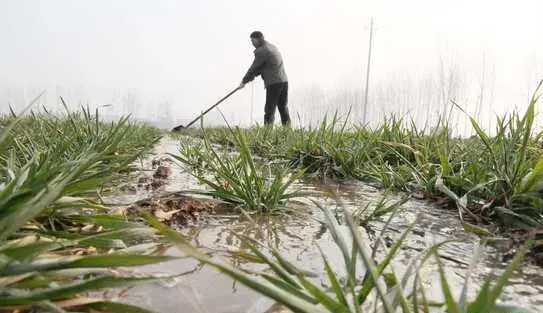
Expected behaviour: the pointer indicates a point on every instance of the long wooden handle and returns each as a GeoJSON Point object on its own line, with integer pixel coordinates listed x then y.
{"type": "Point", "coordinates": [212, 107]}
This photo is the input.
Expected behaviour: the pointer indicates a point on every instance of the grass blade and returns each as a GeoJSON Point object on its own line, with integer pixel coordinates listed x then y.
{"type": "Point", "coordinates": [452, 306]}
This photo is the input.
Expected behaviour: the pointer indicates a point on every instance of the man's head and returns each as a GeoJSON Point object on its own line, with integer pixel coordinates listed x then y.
{"type": "Point", "coordinates": [257, 38]}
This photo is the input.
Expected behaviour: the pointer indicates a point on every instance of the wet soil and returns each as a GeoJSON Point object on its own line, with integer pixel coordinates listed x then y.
{"type": "Point", "coordinates": [211, 225]}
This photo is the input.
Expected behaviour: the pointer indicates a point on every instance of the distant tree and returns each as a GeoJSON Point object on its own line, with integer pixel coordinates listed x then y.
{"type": "Point", "coordinates": [448, 84]}
{"type": "Point", "coordinates": [131, 104]}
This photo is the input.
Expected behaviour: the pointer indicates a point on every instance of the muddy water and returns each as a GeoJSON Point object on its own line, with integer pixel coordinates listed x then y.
{"type": "Point", "coordinates": [200, 289]}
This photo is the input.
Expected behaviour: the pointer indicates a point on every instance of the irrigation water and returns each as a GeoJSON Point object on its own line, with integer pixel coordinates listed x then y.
{"type": "Point", "coordinates": [201, 289]}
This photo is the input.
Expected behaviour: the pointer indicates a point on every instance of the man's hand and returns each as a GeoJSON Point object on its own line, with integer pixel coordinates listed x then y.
{"type": "Point", "coordinates": [241, 86]}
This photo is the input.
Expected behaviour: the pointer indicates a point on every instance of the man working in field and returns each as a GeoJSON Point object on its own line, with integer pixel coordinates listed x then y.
{"type": "Point", "coordinates": [269, 64]}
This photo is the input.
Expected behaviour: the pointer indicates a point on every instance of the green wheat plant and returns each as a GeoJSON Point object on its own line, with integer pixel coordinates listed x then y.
{"type": "Point", "coordinates": [238, 178]}
{"type": "Point", "coordinates": [58, 242]}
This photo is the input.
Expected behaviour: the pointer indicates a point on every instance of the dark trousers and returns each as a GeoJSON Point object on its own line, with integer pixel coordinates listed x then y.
{"type": "Point", "coordinates": [276, 97]}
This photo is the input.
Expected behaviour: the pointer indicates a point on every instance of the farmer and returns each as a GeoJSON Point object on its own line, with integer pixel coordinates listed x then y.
{"type": "Point", "coordinates": [269, 63]}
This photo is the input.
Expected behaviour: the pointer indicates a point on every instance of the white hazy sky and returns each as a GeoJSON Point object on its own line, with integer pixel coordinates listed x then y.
{"type": "Point", "coordinates": [184, 55]}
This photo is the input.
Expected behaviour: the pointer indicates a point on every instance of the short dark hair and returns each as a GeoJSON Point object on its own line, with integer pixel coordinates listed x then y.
{"type": "Point", "coordinates": [257, 35]}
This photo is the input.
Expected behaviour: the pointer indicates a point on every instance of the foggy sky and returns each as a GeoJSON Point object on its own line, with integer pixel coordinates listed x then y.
{"type": "Point", "coordinates": [178, 57]}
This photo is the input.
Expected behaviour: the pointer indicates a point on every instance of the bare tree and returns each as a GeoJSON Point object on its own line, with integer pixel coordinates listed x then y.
{"type": "Point", "coordinates": [481, 90]}
{"type": "Point", "coordinates": [366, 90]}
{"type": "Point", "coordinates": [448, 84]}
{"type": "Point", "coordinates": [131, 104]}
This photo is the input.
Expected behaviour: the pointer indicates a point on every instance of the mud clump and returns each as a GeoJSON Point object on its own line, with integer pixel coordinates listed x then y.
{"type": "Point", "coordinates": [538, 258]}
{"type": "Point", "coordinates": [517, 238]}
{"type": "Point", "coordinates": [143, 180]}
{"type": "Point", "coordinates": [176, 209]}
{"type": "Point", "coordinates": [160, 177]}
{"type": "Point", "coordinates": [537, 248]}
{"type": "Point", "coordinates": [160, 162]}
{"type": "Point", "coordinates": [163, 172]}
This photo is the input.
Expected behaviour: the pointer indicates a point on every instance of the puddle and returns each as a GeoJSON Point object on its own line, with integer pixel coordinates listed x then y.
{"type": "Point", "coordinates": [204, 290]}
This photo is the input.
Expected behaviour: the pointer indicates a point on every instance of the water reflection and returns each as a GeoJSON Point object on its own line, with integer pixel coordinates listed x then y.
{"type": "Point", "coordinates": [295, 236]}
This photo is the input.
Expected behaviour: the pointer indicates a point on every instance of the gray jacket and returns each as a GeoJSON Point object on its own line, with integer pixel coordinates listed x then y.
{"type": "Point", "coordinates": [269, 64]}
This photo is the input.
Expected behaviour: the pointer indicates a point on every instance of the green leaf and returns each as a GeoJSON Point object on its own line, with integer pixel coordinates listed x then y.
{"type": "Point", "coordinates": [83, 262]}
{"type": "Point", "coordinates": [276, 268]}
{"type": "Point", "coordinates": [336, 286]}
{"type": "Point", "coordinates": [470, 228]}
{"type": "Point", "coordinates": [6, 130]}
{"type": "Point", "coordinates": [333, 227]}
{"type": "Point", "coordinates": [70, 290]}
{"type": "Point", "coordinates": [368, 284]}
{"type": "Point", "coordinates": [482, 303]}
{"type": "Point", "coordinates": [516, 219]}
{"type": "Point", "coordinates": [368, 262]}
{"type": "Point", "coordinates": [300, 293]}
{"type": "Point", "coordinates": [247, 257]}
{"type": "Point", "coordinates": [497, 290]}
{"type": "Point", "coordinates": [463, 303]}
{"type": "Point", "coordinates": [419, 261]}
{"type": "Point", "coordinates": [291, 268]}
{"type": "Point", "coordinates": [25, 252]}
{"type": "Point", "coordinates": [323, 298]}
{"type": "Point", "coordinates": [397, 294]}
{"type": "Point", "coordinates": [486, 141]}
{"type": "Point", "coordinates": [452, 306]}
{"type": "Point", "coordinates": [534, 179]}
{"type": "Point", "coordinates": [106, 221]}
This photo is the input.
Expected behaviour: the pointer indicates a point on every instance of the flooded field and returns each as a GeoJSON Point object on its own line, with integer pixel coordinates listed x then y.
{"type": "Point", "coordinates": [296, 236]}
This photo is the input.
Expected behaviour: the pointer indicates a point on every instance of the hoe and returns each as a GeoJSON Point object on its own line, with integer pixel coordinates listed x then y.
{"type": "Point", "coordinates": [180, 127]}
